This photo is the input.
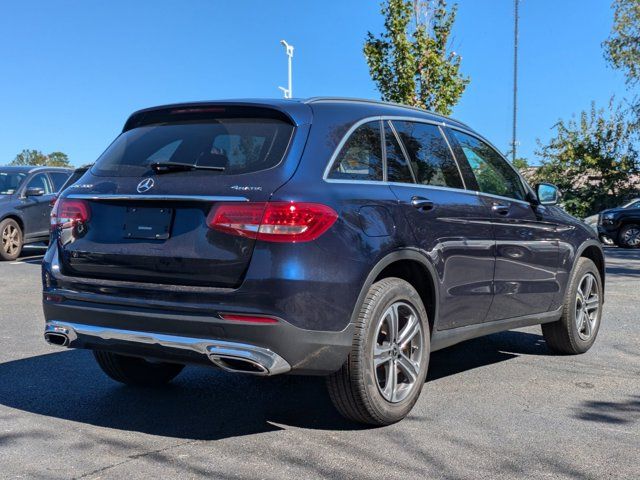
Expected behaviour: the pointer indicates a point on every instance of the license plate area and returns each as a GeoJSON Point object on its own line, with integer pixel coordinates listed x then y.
{"type": "Point", "coordinates": [148, 223]}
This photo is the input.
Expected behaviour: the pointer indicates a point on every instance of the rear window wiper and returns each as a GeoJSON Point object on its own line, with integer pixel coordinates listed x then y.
{"type": "Point", "coordinates": [168, 167]}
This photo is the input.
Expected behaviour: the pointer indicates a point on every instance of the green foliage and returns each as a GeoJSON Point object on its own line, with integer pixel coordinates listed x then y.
{"type": "Point", "coordinates": [521, 164]}
{"type": "Point", "coordinates": [591, 160]}
{"type": "Point", "coordinates": [37, 158]}
{"type": "Point", "coordinates": [622, 48]}
{"type": "Point", "coordinates": [410, 62]}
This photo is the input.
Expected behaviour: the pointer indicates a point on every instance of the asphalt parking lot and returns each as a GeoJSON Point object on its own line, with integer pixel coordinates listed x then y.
{"type": "Point", "coordinates": [497, 407]}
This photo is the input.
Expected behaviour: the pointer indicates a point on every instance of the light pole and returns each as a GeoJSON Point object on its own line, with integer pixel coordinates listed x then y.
{"type": "Point", "coordinates": [288, 92]}
{"type": "Point", "coordinates": [514, 141]}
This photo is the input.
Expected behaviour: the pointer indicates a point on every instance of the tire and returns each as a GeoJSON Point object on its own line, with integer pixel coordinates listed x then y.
{"type": "Point", "coordinates": [11, 239]}
{"type": "Point", "coordinates": [136, 371]}
{"type": "Point", "coordinates": [565, 336]}
{"type": "Point", "coordinates": [365, 394]}
{"type": "Point", "coordinates": [629, 236]}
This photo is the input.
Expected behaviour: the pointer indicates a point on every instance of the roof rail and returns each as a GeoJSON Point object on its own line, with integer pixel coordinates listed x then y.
{"type": "Point", "coordinates": [380, 102]}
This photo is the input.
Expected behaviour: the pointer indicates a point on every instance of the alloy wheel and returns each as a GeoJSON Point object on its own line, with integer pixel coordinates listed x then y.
{"type": "Point", "coordinates": [10, 240]}
{"type": "Point", "coordinates": [587, 306]}
{"type": "Point", "coordinates": [631, 237]}
{"type": "Point", "coordinates": [397, 351]}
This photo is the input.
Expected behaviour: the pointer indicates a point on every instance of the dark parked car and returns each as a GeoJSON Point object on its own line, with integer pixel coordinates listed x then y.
{"type": "Point", "coordinates": [25, 197]}
{"type": "Point", "coordinates": [621, 225]}
{"type": "Point", "coordinates": [331, 237]}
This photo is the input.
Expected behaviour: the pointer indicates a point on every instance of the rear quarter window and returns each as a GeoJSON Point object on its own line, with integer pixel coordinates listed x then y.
{"type": "Point", "coordinates": [360, 158]}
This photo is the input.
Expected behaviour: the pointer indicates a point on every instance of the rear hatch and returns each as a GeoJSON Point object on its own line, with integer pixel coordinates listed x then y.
{"type": "Point", "coordinates": [141, 213]}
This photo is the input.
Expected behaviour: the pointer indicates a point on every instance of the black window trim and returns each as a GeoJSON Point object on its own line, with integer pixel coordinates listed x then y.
{"type": "Point", "coordinates": [381, 119]}
{"type": "Point", "coordinates": [403, 149]}
{"type": "Point", "coordinates": [525, 186]}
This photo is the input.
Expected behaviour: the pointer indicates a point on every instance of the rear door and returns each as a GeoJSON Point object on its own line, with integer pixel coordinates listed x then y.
{"type": "Point", "coordinates": [527, 247]}
{"type": "Point", "coordinates": [449, 223]}
{"type": "Point", "coordinates": [151, 225]}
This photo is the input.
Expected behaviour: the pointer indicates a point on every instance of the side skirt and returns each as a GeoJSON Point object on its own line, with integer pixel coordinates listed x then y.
{"type": "Point", "coordinates": [445, 338]}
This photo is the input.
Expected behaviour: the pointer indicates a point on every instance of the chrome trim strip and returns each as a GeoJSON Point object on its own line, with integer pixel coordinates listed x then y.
{"type": "Point", "coordinates": [436, 187]}
{"type": "Point", "coordinates": [418, 185]}
{"type": "Point", "coordinates": [213, 349]}
{"type": "Point", "coordinates": [159, 198]}
{"type": "Point", "coordinates": [400, 184]}
{"type": "Point", "coordinates": [500, 197]}
{"type": "Point", "coordinates": [381, 118]}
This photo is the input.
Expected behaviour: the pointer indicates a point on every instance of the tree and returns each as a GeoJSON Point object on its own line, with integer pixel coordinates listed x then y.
{"type": "Point", "coordinates": [410, 61]}
{"type": "Point", "coordinates": [36, 157]}
{"type": "Point", "coordinates": [622, 48]}
{"type": "Point", "coordinates": [591, 160]}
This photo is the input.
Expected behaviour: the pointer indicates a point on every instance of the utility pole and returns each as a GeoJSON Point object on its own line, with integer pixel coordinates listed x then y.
{"type": "Point", "coordinates": [288, 92]}
{"type": "Point", "coordinates": [514, 141]}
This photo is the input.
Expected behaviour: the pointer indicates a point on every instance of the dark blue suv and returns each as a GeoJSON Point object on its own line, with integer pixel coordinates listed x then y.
{"type": "Point", "coordinates": [336, 237]}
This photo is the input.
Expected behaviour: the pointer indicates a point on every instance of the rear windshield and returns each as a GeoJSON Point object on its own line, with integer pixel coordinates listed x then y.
{"type": "Point", "coordinates": [238, 145]}
{"type": "Point", "coordinates": [10, 181]}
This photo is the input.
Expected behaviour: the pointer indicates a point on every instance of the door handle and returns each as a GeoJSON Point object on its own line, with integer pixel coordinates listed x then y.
{"type": "Point", "coordinates": [421, 203]}
{"type": "Point", "coordinates": [500, 208]}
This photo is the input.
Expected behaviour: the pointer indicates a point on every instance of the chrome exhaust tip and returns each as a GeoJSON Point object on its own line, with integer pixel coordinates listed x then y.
{"type": "Point", "coordinates": [245, 358]}
{"type": "Point", "coordinates": [239, 365]}
{"type": "Point", "coordinates": [58, 339]}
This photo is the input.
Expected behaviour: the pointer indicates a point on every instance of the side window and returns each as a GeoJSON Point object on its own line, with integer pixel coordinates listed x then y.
{"type": "Point", "coordinates": [397, 166]}
{"type": "Point", "coordinates": [361, 156]}
{"type": "Point", "coordinates": [58, 179]}
{"type": "Point", "coordinates": [40, 181]}
{"type": "Point", "coordinates": [492, 172]}
{"type": "Point", "coordinates": [429, 154]}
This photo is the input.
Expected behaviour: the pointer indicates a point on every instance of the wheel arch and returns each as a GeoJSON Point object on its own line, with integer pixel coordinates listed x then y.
{"type": "Point", "coordinates": [412, 266]}
{"type": "Point", "coordinates": [16, 218]}
{"type": "Point", "coordinates": [593, 251]}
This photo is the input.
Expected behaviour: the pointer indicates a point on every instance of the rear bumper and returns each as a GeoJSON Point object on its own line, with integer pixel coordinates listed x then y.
{"type": "Point", "coordinates": [231, 356]}
{"type": "Point", "coordinates": [264, 349]}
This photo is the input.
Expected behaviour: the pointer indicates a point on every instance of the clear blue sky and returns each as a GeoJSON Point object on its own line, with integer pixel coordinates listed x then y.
{"type": "Point", "coordinates": [72, 71]}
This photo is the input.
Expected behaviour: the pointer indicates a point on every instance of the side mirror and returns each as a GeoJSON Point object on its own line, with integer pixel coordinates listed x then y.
{"type": "Point", "coordinates": [34, 192]}
{"type": "Point", "coordinates": [548, 194]}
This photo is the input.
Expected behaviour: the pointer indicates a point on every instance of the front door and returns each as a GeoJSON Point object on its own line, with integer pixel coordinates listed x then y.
{"type": "Point", "coordinates": [450, 223]}
{"type": "Point", "coordinates": [36, 209]}
{"type": "Point", "coordinates": [527, 247]}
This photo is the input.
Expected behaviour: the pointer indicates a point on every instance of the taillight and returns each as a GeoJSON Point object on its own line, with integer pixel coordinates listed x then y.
{"type": "Point", "coordinates": [68, 213]}
{"type": "Point", "coordinates": [273, 221]}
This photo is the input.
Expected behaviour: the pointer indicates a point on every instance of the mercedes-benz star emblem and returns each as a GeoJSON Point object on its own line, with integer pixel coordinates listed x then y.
{"type": "Point", "coordinates": [145, 185]}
